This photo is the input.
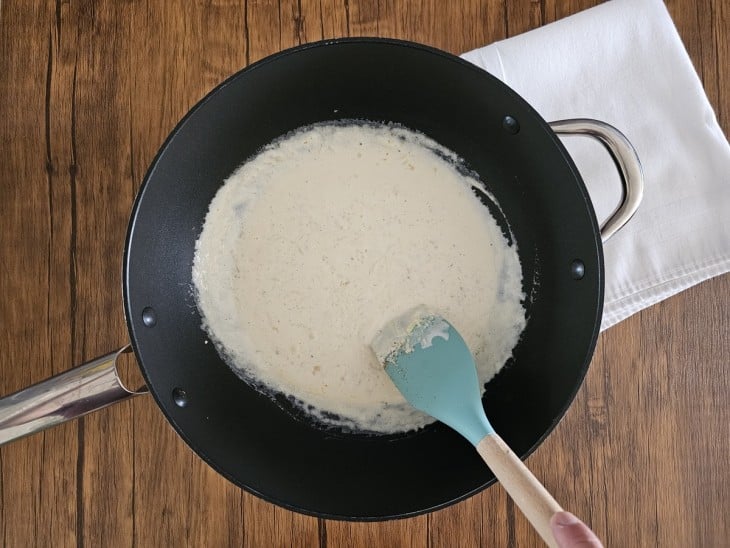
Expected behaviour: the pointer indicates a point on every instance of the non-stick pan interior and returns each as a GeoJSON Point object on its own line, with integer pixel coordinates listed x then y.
{"type": "Point", "coordinates": [246, 436]}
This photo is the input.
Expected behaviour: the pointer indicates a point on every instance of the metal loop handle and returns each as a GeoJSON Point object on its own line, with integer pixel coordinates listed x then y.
{"type": "Point", "coordinates": [627, 161]}
{"type": "Point", "coordinates": [81, 390]}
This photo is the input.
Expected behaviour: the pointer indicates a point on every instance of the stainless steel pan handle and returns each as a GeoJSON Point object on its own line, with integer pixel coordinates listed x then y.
{"type": "Point", "coordinates": [627, 161]}
{"type": "Point", "coordinates": [81, 390]}
{"type": "Point", "coordinates": [96, 384]}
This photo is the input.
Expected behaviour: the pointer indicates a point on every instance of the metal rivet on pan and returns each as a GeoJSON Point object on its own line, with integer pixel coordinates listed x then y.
{"type": "Point", "coordinates": [577, 269]}
{"type": "Point", "coordinates": [510, 124]}
{"type": "Point", "coordinates": [180, 397]}
{"type": "Point", "coordinates": [149, 317]}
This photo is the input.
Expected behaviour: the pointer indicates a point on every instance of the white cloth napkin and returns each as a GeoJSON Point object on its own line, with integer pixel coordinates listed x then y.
{"type": "Point", "coordinates": [623, 62]}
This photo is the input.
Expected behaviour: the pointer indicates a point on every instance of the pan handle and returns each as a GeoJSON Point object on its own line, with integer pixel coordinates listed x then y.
{"type": "Point", "coordinates": [81, 390]}
{"type": "Point", "coordinates": [627, 161]}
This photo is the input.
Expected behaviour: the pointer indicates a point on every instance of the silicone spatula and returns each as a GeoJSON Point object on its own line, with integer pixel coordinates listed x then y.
{"type": "Point", "coordinates": [431, 365]}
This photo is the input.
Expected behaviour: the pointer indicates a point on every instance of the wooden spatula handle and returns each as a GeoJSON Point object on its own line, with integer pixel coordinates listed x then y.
{"type": "Point", "coordinates": [528, 493]}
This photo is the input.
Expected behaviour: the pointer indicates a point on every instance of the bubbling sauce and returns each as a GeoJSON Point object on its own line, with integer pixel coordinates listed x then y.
{"type": "Point", "coordinates": [328, 233]}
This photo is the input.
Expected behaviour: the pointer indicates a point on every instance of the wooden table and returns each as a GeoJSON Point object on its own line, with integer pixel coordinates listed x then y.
{"type": "Point", "coordinates": [88, 92]}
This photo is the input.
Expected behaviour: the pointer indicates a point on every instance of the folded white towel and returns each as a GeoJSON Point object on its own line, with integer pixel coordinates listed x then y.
{"type": "Point", "coordinates": [623, 62]}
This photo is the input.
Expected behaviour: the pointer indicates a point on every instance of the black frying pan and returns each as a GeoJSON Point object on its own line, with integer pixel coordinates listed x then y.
{"type": "Point", "coordinates": [260, 445]}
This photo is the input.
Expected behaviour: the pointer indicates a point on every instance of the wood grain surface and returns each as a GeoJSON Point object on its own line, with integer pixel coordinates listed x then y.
{"type": "Point", "coordinates": [88, 92]}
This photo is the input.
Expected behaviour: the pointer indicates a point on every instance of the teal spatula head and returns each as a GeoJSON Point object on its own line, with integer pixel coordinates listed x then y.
{"type": "Point", "coordinates": [431, 365]}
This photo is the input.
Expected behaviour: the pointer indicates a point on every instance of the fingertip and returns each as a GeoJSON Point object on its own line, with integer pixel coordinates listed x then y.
{"type": "Point", "coordinates": [563, 519]}
{"type": "Point", "coordinates": [570, 532]}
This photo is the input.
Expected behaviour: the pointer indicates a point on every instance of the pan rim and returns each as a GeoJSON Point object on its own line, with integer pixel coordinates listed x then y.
{"type": "Point", "coordinates": [200, 451]}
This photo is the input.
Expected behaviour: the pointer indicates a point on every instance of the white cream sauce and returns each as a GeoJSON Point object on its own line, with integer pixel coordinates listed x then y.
{"type": "Point", "coordinates": [418, 326]}
{"type": "Point", "coordinates": [327, 234]}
